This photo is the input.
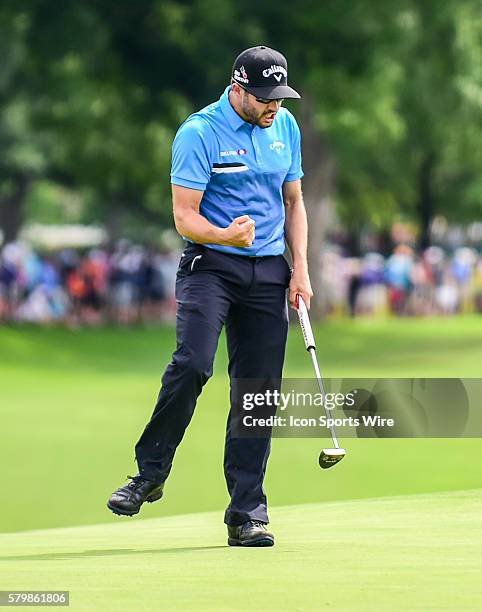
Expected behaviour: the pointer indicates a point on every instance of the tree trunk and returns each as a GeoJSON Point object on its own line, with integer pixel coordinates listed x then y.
{"type": "Point", "coordinates": [425, 205]}
{"type": "Point", "coordinates": [318, 187]}
{"type": "Point", "coordinates": [12, 208]}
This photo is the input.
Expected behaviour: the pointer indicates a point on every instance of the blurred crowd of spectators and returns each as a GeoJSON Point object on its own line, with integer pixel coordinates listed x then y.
{"type": "Point", "coordinates": [405, 283]}
{"type": "Point", "coordinates": [132, 284]}
{"type": "Point", "coordinates": [129, 285]}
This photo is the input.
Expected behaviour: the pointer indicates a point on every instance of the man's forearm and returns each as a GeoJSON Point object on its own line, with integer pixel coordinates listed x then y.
{"type": "Point", "coordinates": [296, 231]}
{"type": "Point", "coordinates": [197, 228]}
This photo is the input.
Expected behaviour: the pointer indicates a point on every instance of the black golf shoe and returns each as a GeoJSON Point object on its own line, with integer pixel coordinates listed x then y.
{"type": "Point", "coordinates": [252, 533]}
{"type": "Point", "coordinates": [128, 499]}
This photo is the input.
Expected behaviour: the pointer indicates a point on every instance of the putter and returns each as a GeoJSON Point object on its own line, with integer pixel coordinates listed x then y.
{"type": "Point", "coordinates": [328, 456]}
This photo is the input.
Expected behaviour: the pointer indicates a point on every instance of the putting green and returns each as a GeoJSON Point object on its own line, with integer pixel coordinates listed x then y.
{"type": "Point", "coordinates": [73, 404]}
{"type": "Point", "coordinates": [421, 552]}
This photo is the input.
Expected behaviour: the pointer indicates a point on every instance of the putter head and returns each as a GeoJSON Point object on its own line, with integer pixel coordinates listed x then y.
{"type": "Point", "coordinates": [330, 457]}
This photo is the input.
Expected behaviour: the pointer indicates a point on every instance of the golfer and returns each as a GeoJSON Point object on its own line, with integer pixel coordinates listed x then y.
{"type": "Point", "coordinates": [236, 170]}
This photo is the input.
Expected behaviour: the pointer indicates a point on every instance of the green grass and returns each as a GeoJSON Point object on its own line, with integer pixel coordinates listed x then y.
{"type": "Point", "coordinates": [73, 403]}
{"type": "Point", "coordinates": [397, 553]}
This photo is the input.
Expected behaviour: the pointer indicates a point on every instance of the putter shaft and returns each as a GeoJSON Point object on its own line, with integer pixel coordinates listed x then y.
{"type": "Point", "coordinates": [310, 344]}
{"type": "Point", "coordinates": [316, 367]}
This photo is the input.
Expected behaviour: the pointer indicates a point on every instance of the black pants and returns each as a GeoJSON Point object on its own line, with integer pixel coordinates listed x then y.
{"type": "Point", "coordinates": [248, 295]}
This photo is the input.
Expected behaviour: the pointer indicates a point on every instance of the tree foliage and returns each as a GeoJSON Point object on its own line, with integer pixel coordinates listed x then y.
{"type": "Point", "coordinates": [92, 92]}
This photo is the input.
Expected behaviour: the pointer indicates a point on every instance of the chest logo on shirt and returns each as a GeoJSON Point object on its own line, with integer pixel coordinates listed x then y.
{"type": "Point", "coordinates": [277, 146]}
{"type": "Point", "coordinates": [234, 152]}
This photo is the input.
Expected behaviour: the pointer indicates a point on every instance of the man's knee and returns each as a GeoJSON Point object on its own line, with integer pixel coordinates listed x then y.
{"type": "Point", "coordinates": [194, 366]}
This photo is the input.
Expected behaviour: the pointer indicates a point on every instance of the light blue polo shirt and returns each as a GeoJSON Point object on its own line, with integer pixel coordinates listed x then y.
{"type": "Point", "coordinates": [241, 168]}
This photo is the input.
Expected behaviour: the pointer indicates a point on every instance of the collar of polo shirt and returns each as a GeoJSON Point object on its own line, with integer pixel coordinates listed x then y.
{"type": "Point", "coordinates": [235, 121]}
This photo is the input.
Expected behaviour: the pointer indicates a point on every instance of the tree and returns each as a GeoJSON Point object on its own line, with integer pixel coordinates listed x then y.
{"type": "Point", "coordinates": [23, 149]}
{"type": "Point", "coordinates": [441, 104]}
{"type": "Point", "coordinates": [93, 92]}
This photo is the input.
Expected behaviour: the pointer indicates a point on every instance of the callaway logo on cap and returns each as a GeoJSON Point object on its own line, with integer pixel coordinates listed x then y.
{"type": "Point", "coordinates": [264, 73]}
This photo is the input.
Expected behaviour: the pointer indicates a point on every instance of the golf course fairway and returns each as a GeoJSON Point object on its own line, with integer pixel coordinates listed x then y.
{"type": "Point", "coordinates": [415, 552]}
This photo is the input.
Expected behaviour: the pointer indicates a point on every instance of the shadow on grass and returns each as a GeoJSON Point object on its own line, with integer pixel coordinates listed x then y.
{"type": "Point", "coordinates": [61, 556]}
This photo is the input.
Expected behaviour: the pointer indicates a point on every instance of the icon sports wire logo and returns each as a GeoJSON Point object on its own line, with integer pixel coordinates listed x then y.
{"type": "Point", "coordinates": [363, 407]}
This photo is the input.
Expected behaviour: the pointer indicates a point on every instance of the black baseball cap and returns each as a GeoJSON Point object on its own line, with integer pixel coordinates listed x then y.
{"type": "Point", "coordinates": [264, 73]}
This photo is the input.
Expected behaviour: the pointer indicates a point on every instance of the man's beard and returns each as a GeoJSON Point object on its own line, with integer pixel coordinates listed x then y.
{"type": "Point", "coordinates": [254, 117]}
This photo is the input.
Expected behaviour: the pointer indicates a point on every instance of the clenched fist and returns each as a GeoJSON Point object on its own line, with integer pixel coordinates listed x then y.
{"type": "Point", "coordinates": [240, 233]}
